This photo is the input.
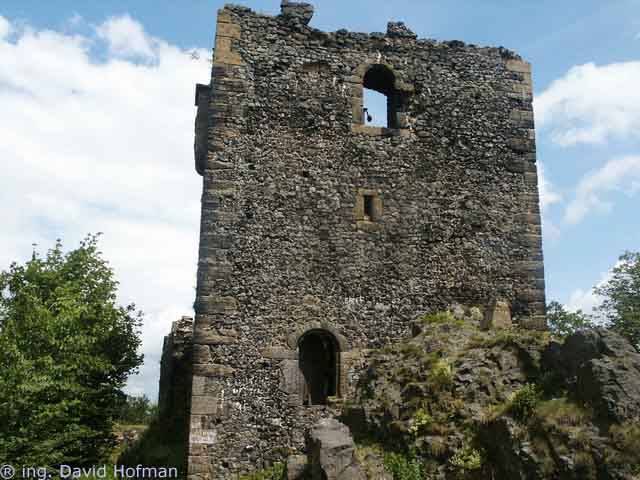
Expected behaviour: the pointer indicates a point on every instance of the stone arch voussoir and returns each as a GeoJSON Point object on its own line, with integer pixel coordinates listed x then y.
{"type": "Point", "coordinates": [294, 337]}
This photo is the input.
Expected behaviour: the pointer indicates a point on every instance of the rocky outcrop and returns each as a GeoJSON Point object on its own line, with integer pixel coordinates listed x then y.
{"type": "Point", "coordinates": [603, 369]}
{"type": "Point", "coordinates": [504, 404]}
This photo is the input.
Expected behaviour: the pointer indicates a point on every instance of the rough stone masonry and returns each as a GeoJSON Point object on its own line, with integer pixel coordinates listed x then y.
{"type": "Point", "coordinates": [322, 237]}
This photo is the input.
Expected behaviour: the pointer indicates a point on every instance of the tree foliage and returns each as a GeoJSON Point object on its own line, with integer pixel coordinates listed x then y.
{"type": "Point", "coordinates": [66, 350]}
{"type": "Point", "coordinates": [621, 304]}
{"type": "Point", "coordinates": [561, 322]}
{"type": "Point", "coordinates": [137, 410]}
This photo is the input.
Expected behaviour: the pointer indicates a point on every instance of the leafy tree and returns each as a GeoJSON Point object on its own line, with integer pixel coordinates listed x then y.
{"type": "Point", "coordinates": [561, 322]}
{"type": "Point", "coordinates": [66, 350]}
{"type": "Point", "coordinates": [137, 410]}
{"type": "Point", "coordinates": [621, 304]}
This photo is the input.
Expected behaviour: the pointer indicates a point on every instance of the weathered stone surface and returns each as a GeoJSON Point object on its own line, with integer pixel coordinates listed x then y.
{"type": "Point", "coordinates": [332, 452]}
{"type": "Point", "coordinates": [399, 30]}
{"type": "Point", "coordinates": [569, 431]}
{"type": "Point", "coordinates": [297, 12]}
{"type": "Point", "coordinates": [497, 315]}
{"type": "Point", "coordinates": [212, 370]}
{"type": "Point", "coordinates": [205, 337]}
{"type": "Point", "coordinates": [603, 369]}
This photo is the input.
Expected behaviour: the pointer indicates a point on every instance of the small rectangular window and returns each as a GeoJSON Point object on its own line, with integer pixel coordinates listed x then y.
{"type": "Point", "coordinates": [368, 208]}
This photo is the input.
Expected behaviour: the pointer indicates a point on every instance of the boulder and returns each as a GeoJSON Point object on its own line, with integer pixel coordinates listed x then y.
{"type": "Point", "coordinates": [332, 452]}
{"type": "Point", "coordinates": [603, 369]}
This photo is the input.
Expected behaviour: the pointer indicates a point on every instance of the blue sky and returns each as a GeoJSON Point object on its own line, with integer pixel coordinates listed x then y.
{"type": "Point", "coordinates": [97, 130]}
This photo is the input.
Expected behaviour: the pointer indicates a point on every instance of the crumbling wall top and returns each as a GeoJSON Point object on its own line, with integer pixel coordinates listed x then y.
{"type": "Point", "coordinates": [296, 12]}
{"type": "Point", "coordinates": [298, 15]}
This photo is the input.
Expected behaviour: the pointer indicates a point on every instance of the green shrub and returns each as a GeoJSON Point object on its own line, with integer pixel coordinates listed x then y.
{"type": "Point", "coordinates": [272, 473]}
{"type": "Point", "coordinates": [441, 373]}
{"type": "Point", "coordinates": [404, 467]}
{"type": "Point", "coordinates": [466, 459]}
{"type": "Point", "coordinates": [523, 402]}
{"type": "Point", "coordinates": [420, 422]}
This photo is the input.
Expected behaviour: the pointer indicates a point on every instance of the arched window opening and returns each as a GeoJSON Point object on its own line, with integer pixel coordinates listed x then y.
{"type": "Point", "coordinates": [379, 97]}
{"type": "Point", "coordinates": [318, 360]}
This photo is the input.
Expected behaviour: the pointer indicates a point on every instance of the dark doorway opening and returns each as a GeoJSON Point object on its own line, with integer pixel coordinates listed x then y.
{"type": "Point", "coordinates": [318, 357]}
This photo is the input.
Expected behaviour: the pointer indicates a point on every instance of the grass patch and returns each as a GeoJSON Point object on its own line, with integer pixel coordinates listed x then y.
{"type": "Point", "coordinates": [509, 337]}
{"type": "Point", "coordinates": [158, 446]}
{"type": "Point", "coordinates": [627, 438]}
{"type": "Point", "coordinates": [437, 318]}
{"type": "Point", "coordinates": [275, 472]}
{"type": "Point", "coordinates": [562, 412]}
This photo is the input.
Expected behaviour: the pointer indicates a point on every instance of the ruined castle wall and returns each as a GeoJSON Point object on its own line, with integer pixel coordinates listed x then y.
{"type": "Point", "coordinates": [175, 368]}
{"type": "Point", "coordinates": [285, 246]}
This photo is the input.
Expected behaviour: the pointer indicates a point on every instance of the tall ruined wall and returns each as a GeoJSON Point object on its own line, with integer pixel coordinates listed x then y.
{"type": "Point", "coordinates": [175, 372]}
{"type": "Point", "coordinates": [289, 171]}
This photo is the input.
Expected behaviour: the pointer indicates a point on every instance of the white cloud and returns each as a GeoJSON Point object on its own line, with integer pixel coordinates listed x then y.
{"type": "Point", "coordinates": [619, 174]}
{"type": "Point", "coordinates": [584, 300]}
{"type": "Point", "coordinates": [592, 103]}
{"type": "Point", "coordinates": [5, 27]}
{"type": "Point", "coordinates": [587, 300]}
{"type": "Point", "coordinates": [548, 196]}
{"type": "Point", "coordinates": [105, 146]}
{"type": "Point", "coordinates": [548, 193]}
{"type": "Point", "coordinates": [126, 38]}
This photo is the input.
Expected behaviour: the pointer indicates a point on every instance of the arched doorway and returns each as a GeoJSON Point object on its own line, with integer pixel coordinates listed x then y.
{"type": "Point", "coordinates": [318, 360]}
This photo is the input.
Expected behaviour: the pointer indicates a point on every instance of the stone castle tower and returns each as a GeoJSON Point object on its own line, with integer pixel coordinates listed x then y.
{"type": "Point", "coordinates": [322, 237]}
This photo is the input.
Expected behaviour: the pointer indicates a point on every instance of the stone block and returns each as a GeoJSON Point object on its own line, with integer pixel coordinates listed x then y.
{"type": "Point", "coordinates": [228, 30]}
{"type": "Point", "coordinates": [207, 337]}
{"type": "Point", "coordinates": [279, 353]}
{"type": "Point", "coordinates": [518, 66]}
{"type": "Point", "coordinates": [497, 315]}
{"type": "Point", "coordinates": [332, 452]}
{"type": "Point", "coordinates": [201, 354]}
{"type": "Point", "coordinates": [212, 370]}
{"type": "Point", "coordinates": [198, 385]}
{"type": "Point", "coordinates": [223, 53]}
{"type": "Point", "coordinates": [214, 304]}
{"type": "Point", "coordinates": [205, 405]}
